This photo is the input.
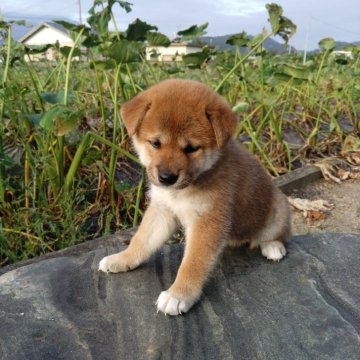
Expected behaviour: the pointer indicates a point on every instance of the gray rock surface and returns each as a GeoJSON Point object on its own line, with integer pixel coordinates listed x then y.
{"type": "Point", "coordinates": [305, 307]}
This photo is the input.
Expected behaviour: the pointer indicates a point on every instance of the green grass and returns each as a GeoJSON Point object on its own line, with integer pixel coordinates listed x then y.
{"type": "Point", "coordinates": [67, 170]}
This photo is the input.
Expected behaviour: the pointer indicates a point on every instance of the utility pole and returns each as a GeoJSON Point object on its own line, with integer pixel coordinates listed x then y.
{"type": "Point", "coordinates": [307, 40]}
{"type": "Point", "coordinates": [80, 17]}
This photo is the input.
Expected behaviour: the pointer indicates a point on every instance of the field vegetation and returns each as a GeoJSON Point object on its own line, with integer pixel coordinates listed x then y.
{"type": "Point", "coordinates": [67, 169]}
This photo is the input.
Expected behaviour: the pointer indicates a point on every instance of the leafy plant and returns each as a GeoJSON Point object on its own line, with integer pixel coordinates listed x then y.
{"type": "Point", "coordinates": [67, 170]}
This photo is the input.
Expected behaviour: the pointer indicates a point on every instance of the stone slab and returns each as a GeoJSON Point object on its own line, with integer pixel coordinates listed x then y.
{"type": "Point", "coordinates": [305, 307]}
{"type": "Point", "coordinates": [298, 178]}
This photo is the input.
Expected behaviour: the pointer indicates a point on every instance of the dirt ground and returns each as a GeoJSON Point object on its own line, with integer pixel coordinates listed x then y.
{"type": "Point", "coordinates": [345, 215]}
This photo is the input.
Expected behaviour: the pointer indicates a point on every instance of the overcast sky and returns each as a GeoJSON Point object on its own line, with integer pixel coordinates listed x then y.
{"type": "Point", "coordinates": [323, 18]}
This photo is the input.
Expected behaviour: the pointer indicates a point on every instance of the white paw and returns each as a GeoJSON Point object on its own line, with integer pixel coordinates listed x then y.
{"type": "Point", "coordinates": [273, 250]}
{"type": "Point", "coordinates": [170, 305]}
{"type": "Point", "coordinates": [114, 263]}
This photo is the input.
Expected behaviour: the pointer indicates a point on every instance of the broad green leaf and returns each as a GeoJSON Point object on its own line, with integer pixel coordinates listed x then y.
{"type": "Point", "coordinates": [19, 22]}
{"type": "Point", "coordinates": [294, 71]}
{"type": "Point", "coordinates": [342, 60]}
{"type": "Point", "coordinates": [70, 97]}
{"type": "Point", "coordinates": [174, 70]}
{"type": "Point", "coordinates": [137, 30]}
{"type": "Point", "coordinates": [240, 39]}
{"type": "Point", "coordinates": [154, 54]}
{"type": "Point", "coordinates": [110, 3]}
{"type": "Point", "coordinates": [57, 98]}
{"type": "Point", "coordinates": [99, 20]}
{"type": "Point", "coordinates": [51, 98]}
{"type": "Point", "coordinates": [47, 119]}
{"type": "Point", "coordinates": [33, 118]}
{"type": "Point", "coordinates": [287, 29]}
{"type": "Point", "coordinates": [241, 107]}
{"type": "Point", "coordinates": [193, 32]}
{"type": "Point", "coordinates": [37, 49]}
{"type": "Point", "coordinates": [327, 44]}
{"type": "Point", "coordinates": [157, 39]}
{"type": "Point", "coordinates": [255, 40]}
{"type": "Point", "coordinates": [60, 119]}
{"type": "Point", "coordinates": [65, 51]}
{"type": "Point", "coordinates": [103, 64]}
{"type": "Point", "coordinates": [352, 48]}
{"type": "Point", "coordinates": [7, 24]}
{"type": "Point", "coordinates": [310, 64]}
{"type": "Point", "coordinates": [74, 35]}
{"type": "Point", "coordinates": [280, 25]}
{"type": "Point", "coordinates": [90, 41]}
{"type": "Point", "coordinates": [124, 51]}
{"type": "Point", "coordinates": [65, 126]}
{"type": "Point", "coordinates": [275, 11]}
{"type": "Point", "coordinates": [278, 77]}
{"type": "Point", "coordinates": [124, 4]}
{"type": "Point", "coordinates": [67, 25]}
{"type": "Point", "coordinates": [76, 28]}
{"type": "Point", "coordinates": [197, 59]}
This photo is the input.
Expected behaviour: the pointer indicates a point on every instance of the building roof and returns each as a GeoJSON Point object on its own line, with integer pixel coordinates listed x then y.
{"type": "Point", "coordinates": [177, 44]}
{"type": "Point", "coordinates": [37, 28]}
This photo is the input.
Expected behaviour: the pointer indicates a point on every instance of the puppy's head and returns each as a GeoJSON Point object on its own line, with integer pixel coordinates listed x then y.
{"type": "Point", "coordinates": [178, 128]}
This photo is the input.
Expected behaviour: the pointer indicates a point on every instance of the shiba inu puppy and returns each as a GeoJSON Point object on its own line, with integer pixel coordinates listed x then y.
{"type": "Point", "coordinates": [201, 179]}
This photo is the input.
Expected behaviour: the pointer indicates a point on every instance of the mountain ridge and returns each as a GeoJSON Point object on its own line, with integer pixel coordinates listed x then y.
{"type": "Point", "coordinates": [218, 41]}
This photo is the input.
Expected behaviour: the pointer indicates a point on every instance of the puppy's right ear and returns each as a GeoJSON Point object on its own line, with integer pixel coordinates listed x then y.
{"type": "Point", "coordinates": [133, 112]}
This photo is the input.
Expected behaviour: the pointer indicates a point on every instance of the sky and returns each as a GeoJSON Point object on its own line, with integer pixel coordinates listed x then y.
{"type": "Point", "coordinates": [315, 19]}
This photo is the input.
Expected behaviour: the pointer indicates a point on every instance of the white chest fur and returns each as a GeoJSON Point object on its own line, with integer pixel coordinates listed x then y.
{"type": "Point", "coordinates": [185, 204]}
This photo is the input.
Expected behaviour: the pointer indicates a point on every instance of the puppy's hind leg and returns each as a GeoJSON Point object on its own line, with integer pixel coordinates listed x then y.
{"type": "Point", "coordinates": [156, 227]}
{"type": "Point", "coordinates": [271, 239]}
{"type": "Point", "coordinates": [273, 250]}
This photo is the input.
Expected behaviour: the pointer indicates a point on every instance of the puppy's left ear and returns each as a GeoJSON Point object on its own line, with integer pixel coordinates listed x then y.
{"type": "Point", "coordinates": [133, 112]}
{"type": "Point", "coordinates": [223, 121]}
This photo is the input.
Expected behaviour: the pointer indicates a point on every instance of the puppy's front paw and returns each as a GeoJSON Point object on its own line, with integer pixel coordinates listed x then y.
{"type": "Point", "coordinates": [171, 305]}
{"type": "Point", "coordinates": [114, 263]}
{"type": "Point", "coordinates": [273, 250]}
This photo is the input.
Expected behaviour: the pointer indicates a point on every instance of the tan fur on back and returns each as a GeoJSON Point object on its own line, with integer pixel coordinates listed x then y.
{"type": "Point", "coordinates": [199, 178]}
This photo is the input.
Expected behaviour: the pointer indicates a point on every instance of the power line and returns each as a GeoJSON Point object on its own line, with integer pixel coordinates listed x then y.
{"type": "Point", "coordinates": [335, 26]}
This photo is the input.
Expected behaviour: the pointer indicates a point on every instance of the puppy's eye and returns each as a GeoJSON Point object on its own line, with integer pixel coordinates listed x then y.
{"type": "Point", "coordinates": [189, 149]}
{"type": "Point", "coordinates": [156, 144]}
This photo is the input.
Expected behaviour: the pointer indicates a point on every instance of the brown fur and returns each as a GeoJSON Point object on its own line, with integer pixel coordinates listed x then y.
{"type": "Point", "coordinates": [222, 195]}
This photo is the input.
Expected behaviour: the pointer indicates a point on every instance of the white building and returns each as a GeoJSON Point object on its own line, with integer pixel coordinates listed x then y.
{"type": "Point", "coordinates": [174, 52]}
{"type": "Point", "coordinates": [345, 53]}
{"type": "Point", "coordinates": [47, 33]}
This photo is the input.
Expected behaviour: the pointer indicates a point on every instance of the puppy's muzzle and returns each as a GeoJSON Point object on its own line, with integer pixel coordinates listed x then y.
{"type": "Point", "coordinates": [167, 179]}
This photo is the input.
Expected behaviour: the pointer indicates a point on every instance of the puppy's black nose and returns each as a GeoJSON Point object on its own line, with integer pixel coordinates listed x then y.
{"type": "Point", "coordinates": [167, 178]}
